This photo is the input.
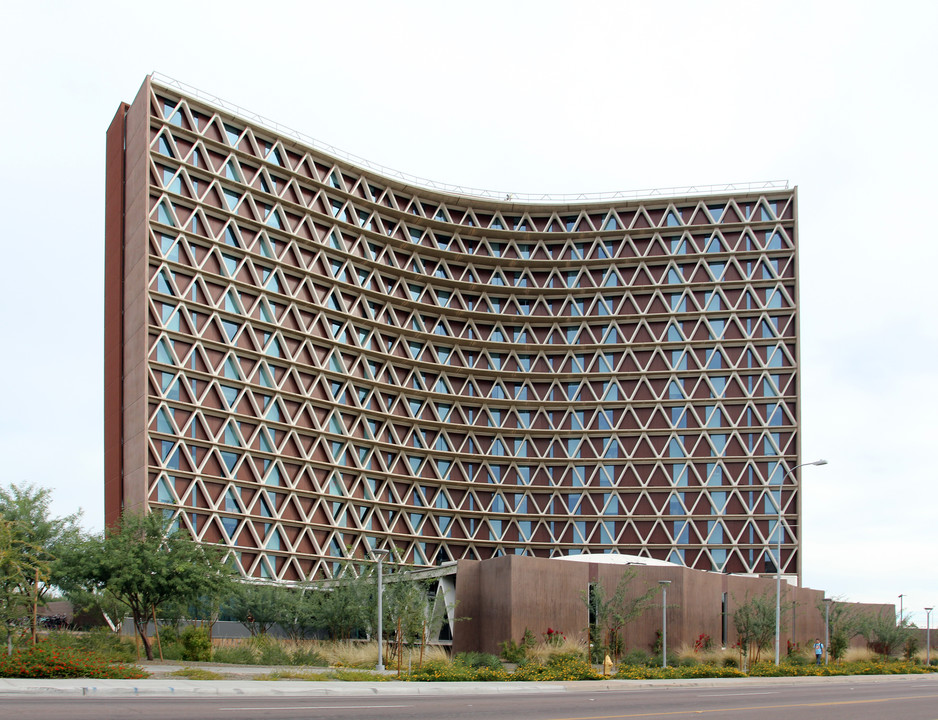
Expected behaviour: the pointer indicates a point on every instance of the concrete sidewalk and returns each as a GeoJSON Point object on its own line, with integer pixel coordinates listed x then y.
{"type": "Point", "coordinates": [162, 686]}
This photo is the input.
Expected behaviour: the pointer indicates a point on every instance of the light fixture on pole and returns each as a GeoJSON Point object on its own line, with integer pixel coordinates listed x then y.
{"type": "Point", "coordinates": [827, 630]}
{"type": "Point", "coordinates": [778, 559]}
{"type": "Point", "coordinates": [900, 609]}
{"type": "Point", "coordinates": [928, 635]}
{"type": "Point", "coordinates": [664, 621]}
{"type": "Point", "coordinates": [380, 555]}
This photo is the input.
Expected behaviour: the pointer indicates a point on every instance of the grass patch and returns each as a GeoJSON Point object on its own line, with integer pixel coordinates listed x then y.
{"type": "Point", "coordinates": [197, 674]}
{"type": "Point", "coordinates": [327, 675]}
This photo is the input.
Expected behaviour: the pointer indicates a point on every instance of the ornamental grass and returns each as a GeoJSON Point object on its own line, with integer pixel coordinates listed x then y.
{"type": "Point", "coordinates": [545, 652]}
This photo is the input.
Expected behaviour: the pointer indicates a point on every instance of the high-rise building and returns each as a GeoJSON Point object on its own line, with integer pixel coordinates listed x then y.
{"type": "Point", "coordinates": [307, 358]}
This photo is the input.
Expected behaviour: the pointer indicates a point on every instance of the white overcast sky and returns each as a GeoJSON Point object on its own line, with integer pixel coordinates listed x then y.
{"type": "Point", "coordinates": [839, 98]}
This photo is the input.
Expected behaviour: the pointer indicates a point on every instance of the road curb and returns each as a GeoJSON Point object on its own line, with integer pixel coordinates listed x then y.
{"type": "Point", "coordinates": [264, 688]}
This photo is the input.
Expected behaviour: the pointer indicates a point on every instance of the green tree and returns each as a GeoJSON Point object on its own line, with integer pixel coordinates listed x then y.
{"type": "Point", "coordinates": [345, 606]}
{"type": "Point", "coordinates": [303, 614]}
{"type": "Point", "coordinates": [844, 624]}
{"type": "Point", "coordinates": [14, 603]}
{"type": "Point", "coordinates": [259, 607]}
{"type": "Point", "coordinates": [141, 564]}
{"type": "Point", "coordinates": [36, 537]}
{"type": "Point", "coordinates": [883, 635]}
{"type": "Point", "coordinates": [755, 624]}
{"type": "Point", "coordinates": [406, 608]}
{"type": "Point", "coordinates": [610, 614]}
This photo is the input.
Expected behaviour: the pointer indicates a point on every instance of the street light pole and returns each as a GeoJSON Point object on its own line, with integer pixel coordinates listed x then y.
{"type": "Point", "coordinates": [900, 610]}
{"type": "Point", "coordinates": [664, 621]}
{"type": "Point", "coordinates": [827, 630]}
{"type": "Point", "coordinates": [778, 560]}
{"type": "Point", "coordinates": [928, 635]}
{"type": "Point", "coordinates": [380, 555]}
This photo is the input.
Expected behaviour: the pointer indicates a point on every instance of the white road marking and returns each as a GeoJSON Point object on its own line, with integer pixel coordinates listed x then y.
{"type": "Point", "coordinates": [318, 707]}
{"type": "Point", "coordinates": [743, 693]}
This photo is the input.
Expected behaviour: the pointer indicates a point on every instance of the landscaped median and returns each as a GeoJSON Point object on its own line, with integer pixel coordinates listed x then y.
{"type": "Point", "coordinates": [51, 659]}
{"type": "Point", "coordinates": [572, 670]}
{"type": "Point", "coordinates": [633, 672]}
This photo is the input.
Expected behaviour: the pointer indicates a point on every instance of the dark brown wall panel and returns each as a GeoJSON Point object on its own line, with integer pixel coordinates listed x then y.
{"type": "Point", "coordinates": [113, 328]}
{"type": "Point", "coordinates": [136, 238]}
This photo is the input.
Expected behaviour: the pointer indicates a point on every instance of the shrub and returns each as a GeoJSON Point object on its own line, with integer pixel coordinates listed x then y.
{"type": "Point", "coordinates": [769, 669]}
{"type": "Point", "coordinates": [635, 657]}
{"type": "Point", "coordinates": [477, 660]}
{"type": "Point", "coordinates": [439, 671]}
{"type": "Point", "coordinates": [514, 652]}
{"type": "Point", "coordinates": [308, 656]}
{"type": "Point", "coordinates": [100, 641]}
{"type": "Point", "coordinates": [565, 668]}
{"type": "Point", "coordinates": [797, 659]}
{"type": "Point", "coordinates": [45, 660]}
{"type": "Point", "coordinates": [730, 662]}
{"type": "Point", "coordinates": [195, 643]}
{"type": "Point", "coordinates": [234, 654]}
{"type": "Point", "coordinates": [168, 635]}
{"type": "Point", "coordinates": [270, 652]}
{"type": "Point", "coordinates": [635, 672]}
{"type": "Point", "coordinates": [568, 657]}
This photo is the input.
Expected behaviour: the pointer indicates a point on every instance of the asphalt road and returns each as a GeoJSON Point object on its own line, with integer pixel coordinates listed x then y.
{"type": "Point", "coordinates": [899, 699]}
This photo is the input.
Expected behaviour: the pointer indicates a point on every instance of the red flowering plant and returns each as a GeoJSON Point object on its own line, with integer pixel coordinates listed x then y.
{"type": "Point", "coordinates": [47, 661]}
{"type": "Point", "coordinates": [554, 637]}
{"type": "Point", "coordinates": [703, 643]}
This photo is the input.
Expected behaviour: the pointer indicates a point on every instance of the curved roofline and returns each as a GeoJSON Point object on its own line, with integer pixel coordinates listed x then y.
{"type": "Point", "coordinates": [462, 190]}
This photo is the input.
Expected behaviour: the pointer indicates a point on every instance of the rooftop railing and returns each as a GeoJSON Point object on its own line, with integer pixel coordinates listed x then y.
{"type": "Point", "coordinates": [502, 195]}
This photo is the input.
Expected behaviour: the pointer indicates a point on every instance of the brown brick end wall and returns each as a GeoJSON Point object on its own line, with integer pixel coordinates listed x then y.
{"type": "Point", "coordinates": [135, 279]}
{"type": "Point", "coordinates": [113, 335]}
{"type": "Point", "coordinates": [468, 630]}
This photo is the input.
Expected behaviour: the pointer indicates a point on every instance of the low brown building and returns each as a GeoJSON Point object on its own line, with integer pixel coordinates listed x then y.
{"type": "Point", "coordinates": [502, 597]}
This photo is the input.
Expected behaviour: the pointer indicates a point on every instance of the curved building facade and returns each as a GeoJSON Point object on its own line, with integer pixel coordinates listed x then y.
{"type": "Point", "coordinates": [307, 359]}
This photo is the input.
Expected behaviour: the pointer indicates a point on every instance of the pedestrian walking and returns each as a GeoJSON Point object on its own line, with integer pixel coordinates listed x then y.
{"type": "Point", "coordinates": [818, 651]}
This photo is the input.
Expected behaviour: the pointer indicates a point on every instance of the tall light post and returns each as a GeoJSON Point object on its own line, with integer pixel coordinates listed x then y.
{"type": "Point", "coordinates": [900, 609]}
{"type": "Point", "coordinates": [664, 621]}
{"type": "Point", "coordinates": [778, 560]}
{"type": "Point", "coordinates": [827, 630]}
{"type": "Point", "coordinates": [928, 635]}
{"type": "Point", "coordinates": [380, 555]}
